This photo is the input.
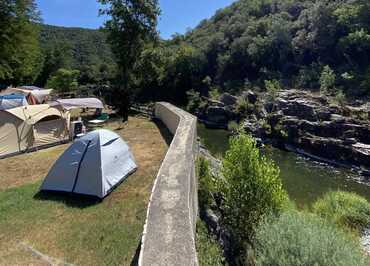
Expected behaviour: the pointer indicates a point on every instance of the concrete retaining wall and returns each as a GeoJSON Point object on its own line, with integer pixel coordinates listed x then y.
{"type": "Point", "coordinates": [169, 231]}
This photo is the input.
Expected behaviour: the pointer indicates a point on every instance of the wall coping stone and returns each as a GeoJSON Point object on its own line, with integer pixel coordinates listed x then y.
{"type": "Point", "coordinates": [169, 231]}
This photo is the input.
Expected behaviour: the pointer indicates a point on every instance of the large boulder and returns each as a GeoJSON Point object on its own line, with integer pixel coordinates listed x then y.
{"type": "Point", "coordinates": [361, 154]}
{"type": "Point", "coordinates": [216, 116]}
{"type": "Point", "coordinates": [250, 96]}
{"type": "Point", "coordinates": [302, 109]}
{"type": "Point", "coordinates": [212, 102]}
{"type": "Point", "coordinates": [228, 99]}
{"type": "Point", "coordinates": [329, 148]}
{"type": "Point", "coordinates": [323, 114]}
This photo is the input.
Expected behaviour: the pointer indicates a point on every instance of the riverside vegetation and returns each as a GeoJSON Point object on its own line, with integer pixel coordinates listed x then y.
{"type": "Point", "coordinates": [261, 226]}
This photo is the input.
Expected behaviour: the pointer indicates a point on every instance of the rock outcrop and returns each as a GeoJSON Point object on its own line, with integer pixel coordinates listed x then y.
{"type": "Point", "coordinates": [311, 123]}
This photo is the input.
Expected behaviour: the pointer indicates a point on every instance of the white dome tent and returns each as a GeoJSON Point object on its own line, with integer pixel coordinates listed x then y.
{"type": "Point", "coordinates": [92, 165]}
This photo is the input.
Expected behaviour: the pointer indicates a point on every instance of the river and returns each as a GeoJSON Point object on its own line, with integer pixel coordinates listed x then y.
{"type": "Point", "coordinates": [304, 179]}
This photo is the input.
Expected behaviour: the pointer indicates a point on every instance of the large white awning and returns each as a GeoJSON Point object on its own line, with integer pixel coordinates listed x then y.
{"type": "Point", "coordinates": [74, 103]}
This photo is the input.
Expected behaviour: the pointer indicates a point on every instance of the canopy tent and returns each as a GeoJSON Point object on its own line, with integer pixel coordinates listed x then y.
{"type": "Point", "coordinates": [33, 96]}
{"type": "Point", "coordinates": [92, 165]}
{"type": "Point", "coordinates": [31, 126]}
{"type": "Point", "coordinates": [74, 103]}
{"type": "Point", "coordinates": [31, 88]}
{"type": "Point", "coordinates": [41, 95]}
{"type": "Point", "coordinates": [12, 101]}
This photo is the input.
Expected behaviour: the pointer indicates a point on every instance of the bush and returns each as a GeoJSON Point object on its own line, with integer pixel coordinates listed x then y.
{"type": "Point", "coordinates": [63, 80]}
{"type": "Point", "coordinates": [194, 101]}
{"type": "Point", "coordinates": [206, 182]}
{"type": "Point", "coordinates": [242, 106]}
{"type": "Point", "coordinates": [214, 94]}
{"type": "Point", "coordinates": [250, 188]}
{"type": "Point", "coordinates": [327, 79]}
{"type": "Point", "coordinates": [296, 239]}
{"type": "Point", "coordinates": [272, 88]}
{"type": "Point", "coordinates": [340, 97]}
{"type": "Point", "coordinates": [345, 209]}
{"type": "Point", "coordinates": [233, 126]}
{"type": "Point", "coordinates": [308, 77]}
{"type": "Point", "coordinates": [209, 252]}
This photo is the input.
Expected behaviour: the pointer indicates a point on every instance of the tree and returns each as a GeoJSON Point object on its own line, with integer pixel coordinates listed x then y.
{"type": "Point", "coordinates": [55, 57]}
{"type": "Point", "coordinates": [63, 80]}
{"type": "Point", "coordinates": [132, 23]}
{"type": "Point", "coordinates": [20, 57]}
{"type": "Point", "coordinates": [183, 72]}
{"type": "Point", "coordinates": [327, 79]}
{"type": "Point", "coordinates": [250, 188]}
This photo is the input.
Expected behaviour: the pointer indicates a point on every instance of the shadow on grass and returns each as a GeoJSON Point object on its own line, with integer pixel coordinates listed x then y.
{"type": "Point", "coordinates": [166, 134]}
{"type": "Point", "coordinates": [135, 259]}
{"type": "Point", "coordinates": [69, 199]}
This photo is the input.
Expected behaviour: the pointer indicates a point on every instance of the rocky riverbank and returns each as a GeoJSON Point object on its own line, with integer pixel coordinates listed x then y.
{"type": "Point", "coordinates": [307, 123]}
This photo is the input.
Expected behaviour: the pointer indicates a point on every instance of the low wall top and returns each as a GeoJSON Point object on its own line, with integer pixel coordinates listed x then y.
{"type": "Point", "coordinates": [169, 231]}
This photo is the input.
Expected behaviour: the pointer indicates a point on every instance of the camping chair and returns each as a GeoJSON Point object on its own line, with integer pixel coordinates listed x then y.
{"type": "Point", "coordinates": [100, 120]}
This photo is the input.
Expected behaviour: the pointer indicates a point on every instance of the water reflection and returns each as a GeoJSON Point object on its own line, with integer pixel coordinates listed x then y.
{"type": "Point", "coordinates": [304, 179]}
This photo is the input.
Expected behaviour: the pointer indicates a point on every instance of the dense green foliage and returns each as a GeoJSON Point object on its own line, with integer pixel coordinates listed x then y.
{"type": "Point", "coordinates": [207, 183]}
{"type": "Point", "coordinates": [299, 239]}
{"type": "Point", "coordinates": [30, 52]}
{"type": "Point", "coordinates": [20, 57]}
{"type": "Point", "coordinates": [305, 44]}
{"type": "Point", "coordinates": [344, 209]}
{"type": "Point", "coordinates": [131, 26]}
{"type": "Point", "coordinates": [63, 80]}
{"type": "Point", "coordinates": [265, 39]}
{"type": "Point", "coordinates": [327, 79]}
{"type": "Point", "coordinates": [208, 251]}
{"type": "Point", "coordinates": [83, 49]}
{"type": "Point", "coordinates": [194, 101]}
{"type": "Point", "coordinates": [169, 70]}
{"type": "Point", "coordinates": [250, 188]}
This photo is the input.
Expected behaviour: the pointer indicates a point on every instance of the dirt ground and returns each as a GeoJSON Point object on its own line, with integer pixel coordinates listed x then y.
{"type": "Point", "coordinates": [75, 230]}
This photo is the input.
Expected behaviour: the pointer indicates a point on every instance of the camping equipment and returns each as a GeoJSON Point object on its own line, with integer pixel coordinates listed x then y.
{"type": "Point", "coordinates": [12, 101]}
{"type": "Point", "coordinates": [93, 165]}
{"type": "Point", "coordinates": [33, 126]}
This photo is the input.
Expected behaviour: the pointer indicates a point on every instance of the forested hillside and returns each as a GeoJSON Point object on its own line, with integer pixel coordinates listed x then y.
{"type": "Point", "coordinates": [304, 44]}
{"type": "Point", "coordinates": [86, 50]}
{"type": "Point", "coordinates": [87, 46]}
{"type": "Point", "coordinates": [287, 40]}
{"type": "Point", "coordinates": [31, 53]}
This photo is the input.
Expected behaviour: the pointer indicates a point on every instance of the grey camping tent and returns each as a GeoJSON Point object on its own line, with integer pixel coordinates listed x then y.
{"type": "Point", "coordinates": [92, 165]}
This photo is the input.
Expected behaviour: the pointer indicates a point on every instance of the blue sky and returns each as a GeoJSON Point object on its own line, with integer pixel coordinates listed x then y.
{"type": "Point", "coordinates": [176, 16]}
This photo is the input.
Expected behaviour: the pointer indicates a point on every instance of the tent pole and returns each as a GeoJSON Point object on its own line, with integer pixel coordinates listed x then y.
{"type": "Point", "coordinates": [79, 166]}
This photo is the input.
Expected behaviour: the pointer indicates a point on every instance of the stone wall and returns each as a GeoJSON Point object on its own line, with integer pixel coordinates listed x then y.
{"type": "Point", "coordinates": [169, 230]}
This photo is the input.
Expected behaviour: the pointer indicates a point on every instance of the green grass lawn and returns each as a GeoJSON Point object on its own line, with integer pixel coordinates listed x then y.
{"type": "Point", "coordinates": [76, 229]}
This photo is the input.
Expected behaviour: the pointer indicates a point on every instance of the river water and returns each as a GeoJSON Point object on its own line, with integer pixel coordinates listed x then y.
{"type": "Point", "coordinates": [304, 179]}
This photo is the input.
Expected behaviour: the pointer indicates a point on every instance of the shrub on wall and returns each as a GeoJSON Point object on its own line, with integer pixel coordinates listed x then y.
{"type": "Point", "coordinates": [345, 209]}
{"type": "Point", "coordinates": [209, 251]}
{"type": "Point", "coordinates": [250, 187]}
{"type": "Point", "coordinates": [206, 182]}
{"type": "Point", "coordinates": [296, 239]}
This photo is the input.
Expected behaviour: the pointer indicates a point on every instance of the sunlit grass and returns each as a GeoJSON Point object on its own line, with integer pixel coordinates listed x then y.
{"type": "Point", "coordinates": [77, 229]}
